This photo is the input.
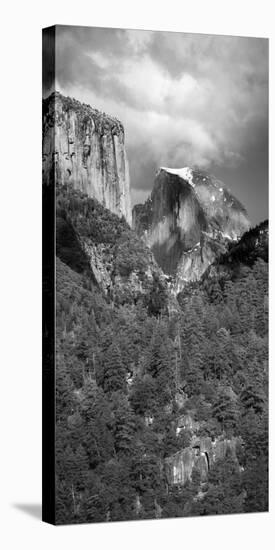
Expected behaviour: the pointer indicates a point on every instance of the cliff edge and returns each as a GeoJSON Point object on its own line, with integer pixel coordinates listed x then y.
{"type": "Point", "coordinates": [85, 149]}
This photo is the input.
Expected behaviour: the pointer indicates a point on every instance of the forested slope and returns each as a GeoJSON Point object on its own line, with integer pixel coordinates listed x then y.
{"type": "Point", "coordinates": [129, 373]}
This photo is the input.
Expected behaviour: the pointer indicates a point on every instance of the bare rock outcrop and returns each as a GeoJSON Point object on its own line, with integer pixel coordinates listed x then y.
{"type": "Point", "coordinates": [188, 221]}
{"type": "Point", "coordinates": [85, 148]}
{"type": "Point", "coordinates": [202, 454]}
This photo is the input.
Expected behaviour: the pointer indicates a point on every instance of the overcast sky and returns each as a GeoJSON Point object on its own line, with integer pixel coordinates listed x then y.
{"type": "Point", "coordinates": [184, 100]}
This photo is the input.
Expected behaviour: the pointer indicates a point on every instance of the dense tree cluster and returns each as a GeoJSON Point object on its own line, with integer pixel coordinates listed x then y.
{"type": "Point", "coordinates": [119, 375]}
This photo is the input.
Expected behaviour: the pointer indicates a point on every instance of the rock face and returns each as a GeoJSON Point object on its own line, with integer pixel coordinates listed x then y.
{"type": "Point", "coordinates": [121, 287]}
{"type": "Point", "coordinates": [85, 149]}
{"type": "Point", "coordinates": [202, 454]}
{"type": "Point", "coordinates": [188, 221]}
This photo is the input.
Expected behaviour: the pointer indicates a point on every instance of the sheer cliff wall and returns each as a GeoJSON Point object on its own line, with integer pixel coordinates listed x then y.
{"type": "Point", "coordinates": [85, 149]}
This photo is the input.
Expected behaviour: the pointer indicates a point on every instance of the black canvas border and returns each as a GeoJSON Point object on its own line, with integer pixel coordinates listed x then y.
{"type": "Point", "coordinates": [48, 310]}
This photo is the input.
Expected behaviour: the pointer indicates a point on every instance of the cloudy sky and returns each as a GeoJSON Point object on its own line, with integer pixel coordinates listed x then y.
{"type": "Point", "coordinates": [184, 100]}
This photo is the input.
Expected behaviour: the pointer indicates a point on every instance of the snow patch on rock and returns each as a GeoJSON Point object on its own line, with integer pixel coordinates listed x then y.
{"type": "Point", "coordinates": [185, 173]}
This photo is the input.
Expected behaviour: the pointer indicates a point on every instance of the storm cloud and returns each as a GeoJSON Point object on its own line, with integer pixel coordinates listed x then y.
{"type": "Point", "coordinates": [184, 99]}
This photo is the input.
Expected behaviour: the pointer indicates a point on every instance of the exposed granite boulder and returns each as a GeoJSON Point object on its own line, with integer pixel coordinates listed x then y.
{"type": "Point", "coordinates": [179, 467]}
{"type": "Point", "coordinates": [202, 454]}
{"type": "Point", "coordinates": [85, 148]}
{"type": "Point", "coordinates": [188, 221]}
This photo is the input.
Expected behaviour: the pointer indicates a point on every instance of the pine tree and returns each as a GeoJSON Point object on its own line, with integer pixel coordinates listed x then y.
{"type": "Point", "coordinates": [225, 493]}
{"type": "Point", "coordinates": [225, 410]}
{"type": "Point", "coordinates": [124, 424]}
{"type": "Point", "coordinates": [143, 395]}
{"type": "Point", "coordinates": [64, 389]}
{"type": "Point", "coordinates": [252, 397]}
{"type": "Point", "coordinates": [160, 364]}
{"type": "Point", "coordinates": [114, 373]}
{"type": "Point", "coordinates": [193, 343]}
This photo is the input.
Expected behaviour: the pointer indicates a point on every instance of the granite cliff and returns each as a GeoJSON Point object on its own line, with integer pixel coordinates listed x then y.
{"type": "Point", "coordinates": [203, 453]}
{"type": "Point", "coordinates": [85, 149]}
{"type": "Point", "coordinates": [188, 221]}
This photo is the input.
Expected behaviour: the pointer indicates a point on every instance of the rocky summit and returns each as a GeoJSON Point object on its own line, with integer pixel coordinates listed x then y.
{"type": "Point", "coordinates": [85, 148]}
{"type": "Point", "coordinates": [188, 221]}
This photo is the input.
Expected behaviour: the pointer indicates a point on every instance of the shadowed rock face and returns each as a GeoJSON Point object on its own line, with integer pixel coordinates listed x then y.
{"type": "Point", "coordinates": [85, 148]}
{"type": "Point", "coordinates": [187, 222]}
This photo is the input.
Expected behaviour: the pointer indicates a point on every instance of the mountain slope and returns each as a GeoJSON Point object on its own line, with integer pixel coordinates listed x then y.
{"type": "Point", "coordinates": [161, 416]}
{"type": "Point", "coordinates": [90, 238]}
{"type": "Point", "coordinates": [252, 246]}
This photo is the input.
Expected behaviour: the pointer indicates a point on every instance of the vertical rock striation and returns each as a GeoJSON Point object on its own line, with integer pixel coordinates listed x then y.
{"type": "Point", "coordinates": [187, 222]}
{"type": "Point", "coordinates": [85, 149]}
{"type": "Point", "coordinates": [203, 454]}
